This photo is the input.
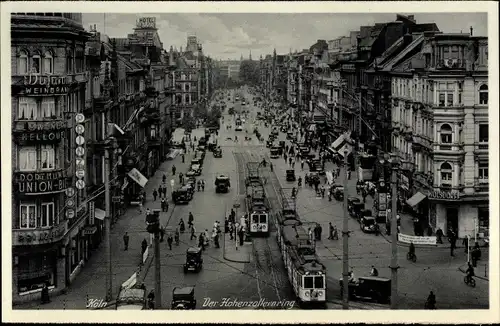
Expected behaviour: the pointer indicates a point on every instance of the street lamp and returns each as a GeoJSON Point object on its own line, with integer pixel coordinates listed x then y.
{"type": "Point", "coordinates": [395, 164]}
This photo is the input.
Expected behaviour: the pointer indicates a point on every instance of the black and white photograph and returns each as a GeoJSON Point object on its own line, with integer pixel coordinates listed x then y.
{"type": "Point", "coordinates": [268, 156]}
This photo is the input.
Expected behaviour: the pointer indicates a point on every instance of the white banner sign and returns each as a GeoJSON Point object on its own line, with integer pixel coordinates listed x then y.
{"type": "Point", "coordinates": [416, 240]}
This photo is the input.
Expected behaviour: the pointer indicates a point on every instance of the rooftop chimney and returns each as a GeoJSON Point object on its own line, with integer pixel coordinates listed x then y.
{"type": "Point", "coordinates": [471, 31]}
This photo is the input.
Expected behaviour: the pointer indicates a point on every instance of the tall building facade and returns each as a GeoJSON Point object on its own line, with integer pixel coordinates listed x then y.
{"type": "Point", "coordinates": [48, 205]}
{"type": "Point", "coordinates": [440, 121]}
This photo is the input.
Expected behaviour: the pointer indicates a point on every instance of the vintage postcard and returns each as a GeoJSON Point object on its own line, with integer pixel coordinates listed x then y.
{"type": "Point", "coordinates": [270, 156]}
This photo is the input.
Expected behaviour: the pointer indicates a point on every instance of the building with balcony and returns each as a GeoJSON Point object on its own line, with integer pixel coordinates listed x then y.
{"type": "Point", "coordinates": [440, 127]}
{"type": "Point", "coordinates": [48, 90]}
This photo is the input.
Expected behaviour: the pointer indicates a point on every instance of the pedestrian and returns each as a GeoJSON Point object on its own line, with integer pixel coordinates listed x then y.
{"type": "Point", "coordinates": [182, 156]}
{"type": "Point", "coordinates": [155, 194]}
{"type": "Point", "coordinates": [231, 230]}
{"type": "Point", "coordinates": [164, 179]}
{"type": "Point", "coordinates": [453, 242]}
{"type": "Point", "coordinates": [364, 194]}
{"type": "Point", "coordinates": [285, 157]}
{"type": "Point", "coordinates": [170, 240]}
{"type": "Point", "coordinates": [198, 183]}
{"type": "Point", "coordinates": [216, 240]}
{"type": "Point", "coordinates": [374, 271]}
{"type": "Point", "coordinates": [330, 231]}
{"type": "Point", "coordinates": [163, 204]}
{"type": "Point", "coordinates": [45, 294]}
{"type": "Point", "coordinates": [173, 170]}
{"type": "Point", "coordinates": [320, 230]}
{"type": "Point", "coordinates": [190, 220]}
{"type": "Point", "coordinates": [144, 246]}
{"type": "Point", "coordinates": [125, 240]}
{"type": "Point", "coordinates": [202, 185]}
{"type": "Point", "coordinates": [439, 236]}
{"type": "Point", "coordinates": [431, 301]}
{"type": "Point", "coordinates": [302, 164]}
{"type": "Point", "coordinates": [293, 164]}
{"type": "Point", "coordinates": [193, 233]}
{"type": "Point", "coordinates": [241, 234]}
{"type": "Point", "coordinates": [323, 191]}
{"type": "Point", "coordinates": [465, 243]}
{"type": "Point", "coordinates": [310, 232]}
{"type": "Point", "coordinates": [162, 233]}
{"type": "Point", "coordinates": [348, 174]}
{"type": "Point", "coordinates": [335, 233]}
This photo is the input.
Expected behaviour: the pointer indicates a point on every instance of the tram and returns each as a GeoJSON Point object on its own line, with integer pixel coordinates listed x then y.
{"type": "Point", "coordinates": [305, 272]}
{"type": "Point", "coordinates": [257, 203]}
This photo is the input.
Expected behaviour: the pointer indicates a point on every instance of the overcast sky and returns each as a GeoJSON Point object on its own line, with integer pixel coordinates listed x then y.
{"type": "Point", "coordinates": [230, 35]}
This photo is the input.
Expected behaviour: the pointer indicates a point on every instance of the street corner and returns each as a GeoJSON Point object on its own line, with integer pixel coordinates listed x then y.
{"type": "Point", "coordinates": [233, 252]}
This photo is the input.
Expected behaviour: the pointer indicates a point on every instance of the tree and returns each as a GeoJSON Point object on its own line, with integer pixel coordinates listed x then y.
{"type": "Point", "coordinates": [249, 72]}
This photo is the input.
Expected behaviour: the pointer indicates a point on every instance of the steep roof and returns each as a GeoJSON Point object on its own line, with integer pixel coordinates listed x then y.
{"type": "Point", "coordinates": [418, 41]}
{"type": "Point", "coordinates": [415, 61]}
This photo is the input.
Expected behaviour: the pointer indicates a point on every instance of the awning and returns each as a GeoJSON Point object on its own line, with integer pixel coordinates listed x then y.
{"type": "Point", "coordinates": [416, 199]}
{"type": "Point", "coordinates": [137, 176]}
{"type": "Point", "coordinates": [99, 214]}
{"type": "Point", "coordinates": [312, 127]}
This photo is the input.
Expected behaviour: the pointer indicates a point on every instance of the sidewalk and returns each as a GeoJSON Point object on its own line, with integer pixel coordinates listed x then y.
{"type": "Point", "coordinates": [91, 282]}
{"type": "Point", "coordinates": [236, 254]}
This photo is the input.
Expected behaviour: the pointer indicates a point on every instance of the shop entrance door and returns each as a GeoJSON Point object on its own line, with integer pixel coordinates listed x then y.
{"type": "Point", "coordinates": [452, 219]}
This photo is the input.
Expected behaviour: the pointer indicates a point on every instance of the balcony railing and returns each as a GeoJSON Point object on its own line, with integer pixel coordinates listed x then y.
{"type": "Point", "coordinates": [481, 147]}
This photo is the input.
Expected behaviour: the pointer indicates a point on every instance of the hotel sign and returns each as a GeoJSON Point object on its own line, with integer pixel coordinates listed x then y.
{"type": "Point", "coordinates": [46, 85]}
{"type": "Point", "coordinates": [146, 22]}
{"type": "Point", "coordinates": [32, 183]}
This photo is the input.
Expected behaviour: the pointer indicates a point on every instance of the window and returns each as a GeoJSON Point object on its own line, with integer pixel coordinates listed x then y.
{"type": "Point", "coordinates": [442, 99]}
{"type": "Point", "coordinates": [446, 134]}
{"type": "Point", "coordinates": [48, 157]}
{"type": "Point", "coordinates": [483, 170]}
{"type": "Point", "coordinates": [22, 63]}
{"type": "Point", "coordinates": [318, 282]}
{"type": "Point", "coordinates": [69, 60]}
{"type": "Point", "coordinates": [308, 282]}
{"type": "Point", "coordinates": [153, 132]}
{"type": "Point", "coordinates": [27, 215]}
{"type": "Point", "coordinates": [483, 216]}
{"type": "Point", "coordinates": [36, 62]}
{"type": "Point", "coordinates": [27, 108]}
{"type": "Point", "coordinates": [27, 158]}
{"type": "Point", "coordinates": [187, 87]}
{"type": "Point", "coordinates": [48, 108]}
{"type": "Point", "coordinates": [446, 172]}
{"type": "Point", "coordinates": [47, 218]}
{"type": "Point", "coordinates": [449, 99]}
{"type": "Point", "coordinates": [483, 94]}
{"type": "Point", "coordinates": [48, 63]}
{"type": "Point", "coordinates": [483, 133]}
{"type": "Point", "coordinates": [186, 99]}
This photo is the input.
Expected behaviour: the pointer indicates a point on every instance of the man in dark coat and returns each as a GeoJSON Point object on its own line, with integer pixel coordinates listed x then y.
{"type": "Point", "coordinates": [125, 240]}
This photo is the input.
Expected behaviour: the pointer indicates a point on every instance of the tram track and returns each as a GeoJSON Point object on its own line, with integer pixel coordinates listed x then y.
{"type": "Point", "coordinates": [265, 253]}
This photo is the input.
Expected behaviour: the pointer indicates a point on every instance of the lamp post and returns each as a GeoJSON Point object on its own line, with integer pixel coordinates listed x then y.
{"type": "Point", "coordinates": [345, 243]}
{"type": "Point", "coordinates": [394, 232]}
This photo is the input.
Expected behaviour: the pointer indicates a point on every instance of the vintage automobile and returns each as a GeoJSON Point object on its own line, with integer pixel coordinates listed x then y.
{"type": "Point", "coordinates": [311, 177]}
{"type": "Point", "coordinates": [316, 166]}
{"type": "Point", "coordinates": [269, 143]}
{"type": "Point", "coordinates": [191, 181]}
{"type": "Point", "coordinates": [222, 184]}
{"type": "Point", "coordinates": [196, 169]}
{"type": "Point", "coordinates": [275, 152]}
{"type": "Point", "coordinates": [183, 298]}
{"type": "Point", "coordinates": [202, 141]}
{"type": "Point", "coordinates": [182, 196]}
{"type": "Point", "coordinates": [368, 224]}
{"type": "Point", "coordinates": [338, 193]}
{"type": "Point", "coordinates": [132, 298]}
{"type": "Point", "coordinates": [369, 288]}
{"type": "Point", "coordinates": [357, 210]}
{"type": "Point", "coordinates": [350, 204]}
{"type": "Point", "coordinates": [290, 175]}
{"type": "Point", "coordinates": [196, 161]}
{"type": "Point", "coordinates": [194, 261]}
{"type": "Point", "coordinates": [218, 152]}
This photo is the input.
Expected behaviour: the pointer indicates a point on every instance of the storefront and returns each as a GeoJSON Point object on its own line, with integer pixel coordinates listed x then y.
{"type": "Point", "coordinates": [466, 215]}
